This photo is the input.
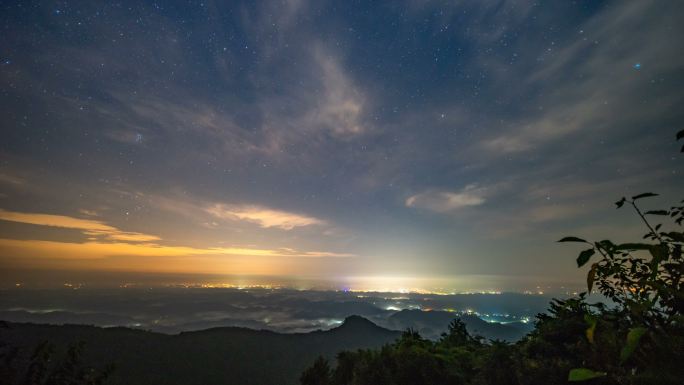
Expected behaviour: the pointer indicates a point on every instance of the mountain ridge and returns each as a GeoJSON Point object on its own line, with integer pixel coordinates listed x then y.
{"type": "Point", "coordinates": [236, 354]}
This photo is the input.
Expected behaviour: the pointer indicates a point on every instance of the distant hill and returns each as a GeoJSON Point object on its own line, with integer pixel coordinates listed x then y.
{"type": "Point", "coordinates": [228, 355]}
{"type": "Point", "coordinates": [431, 324]}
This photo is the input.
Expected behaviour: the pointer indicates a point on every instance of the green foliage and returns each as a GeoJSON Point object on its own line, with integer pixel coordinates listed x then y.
{"type": "Point", "coordinates": [44, 367]}
{"type": "Point", "coordinates": [645, 279]}
{"type": "Point", "coordinates": [408, 361]}
{"type": "Point", "coordinates": [583, 374]}
{"type": "Point", "coordinates": [317, 374]}
{"type": "Point", "coordinates": [633, 337]}
{"type": "Point", "coordinates": [498, 362]}
{"type": "Point", "coordinates": [637, 339]}
{"type": "Point", "coordinates": [457, 335]}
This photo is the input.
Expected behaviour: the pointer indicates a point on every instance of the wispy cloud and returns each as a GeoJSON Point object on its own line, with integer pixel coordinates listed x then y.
{"type": "Point", "coordinates": [341, 108]}
{"type": "Point", "coordinates": [603, 93]}
{"type": "Point", "coordinates": [446, 201]}
{"type": "Point", "coordinates": [90, 213]}
{"type": "Point", "coordinates": [127, 241]}
{"type": "Point", "coordinates": [11, 179]}
{"type": "Point", "coordinates": [105, 241]}
{"type": "Point", "coordinates": [55, 221]}
{"type": "Point", "coordinates": [262, 216]}
{"type": "Point", "coordinates": [94, 229]}
{"type": "Point", "coordinates": [496, 17]}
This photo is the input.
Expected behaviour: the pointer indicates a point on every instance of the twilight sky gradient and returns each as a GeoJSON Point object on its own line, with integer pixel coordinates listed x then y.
{"type": "Point", "coordinates": [405, 140]}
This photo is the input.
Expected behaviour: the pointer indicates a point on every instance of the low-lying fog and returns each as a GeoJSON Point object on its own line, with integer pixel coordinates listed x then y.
{"type": "Point", "coordinates": [173, 310]}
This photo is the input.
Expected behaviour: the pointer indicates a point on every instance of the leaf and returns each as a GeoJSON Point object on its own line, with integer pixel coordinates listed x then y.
{"type": "Point", "coordinates": [678, 237]}
{"type": "Point", "coordinates": [591, 276]}
{"type": "Point", "coordinates": [572, 239]}
{"type": "Point", "coordinates": [644, 195]}
{"type": "Point", "coordinates": [591, 320]}
{"type": "Point", "coordinates": [633, 338]}
{"type": "Point", "coordinates": [659, 252]}
{"type": "Point", "coordinates": [620, 202]}
{"type": "Point", "coordinates": [605, 245]}
{"type": "Point", "coordinates": [584, 257]}
{"type": "Point", "coordinates": [583, 374]}
{"type": "Point", "coordinates": [633, 246]}
{"type": "Point", "coordinates": [656, 212]}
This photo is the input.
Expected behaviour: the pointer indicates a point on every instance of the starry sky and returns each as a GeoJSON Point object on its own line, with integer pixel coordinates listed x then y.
{"type": "Point", "coordinates": [405, 143]}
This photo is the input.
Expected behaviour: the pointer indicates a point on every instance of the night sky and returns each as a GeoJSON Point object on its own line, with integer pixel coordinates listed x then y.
{"type": "Point", "coordinates": [403, 143]}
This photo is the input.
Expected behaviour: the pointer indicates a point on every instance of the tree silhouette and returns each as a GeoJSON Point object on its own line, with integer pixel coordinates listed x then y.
{"type": "Point", "coordinates": [45, 368]}
{"type": "Point", "coordinates": [637, 339]}
{"type": "Point", "coordinates": [317, 374]}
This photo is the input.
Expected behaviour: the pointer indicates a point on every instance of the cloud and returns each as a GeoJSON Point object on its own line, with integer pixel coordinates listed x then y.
{"type": "Point", "coordinates": [446, 201]}
{"type": "Point", "coordinates": [319, 254]}
{"type": "Point", "coordinates": [11, 179]}
{"type": "Point", "coordinates": [108, 247]}
{"type": "Point", "coordinates": [134, 243]}
{"type": "Point", "coordinates": [262, 216]}
{"type": "Point", "coordinates": [125, 236]}
{"type": "Point", "coordinates": [600, 94]}
{"type": "Point", "coordinates": [92, 228]}
{"type": "Point", "coordinates": [495, 18]}
{"type": "Point", "coordinates": [342, 105]}
{"type": "Point", "coordinates": [90, 213]}
{"type": "Point", "coordinates": [56, 221]}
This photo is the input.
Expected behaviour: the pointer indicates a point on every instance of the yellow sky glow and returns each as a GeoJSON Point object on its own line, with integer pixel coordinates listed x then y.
{"type": "Point", "coordinates": [111, 248]}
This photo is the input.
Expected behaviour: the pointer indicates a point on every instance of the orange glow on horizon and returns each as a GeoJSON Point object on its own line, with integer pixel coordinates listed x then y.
{"type": "Point", "coordinates": [110, 248]}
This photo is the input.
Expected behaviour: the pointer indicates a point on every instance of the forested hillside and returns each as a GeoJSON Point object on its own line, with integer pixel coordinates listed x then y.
{"type": "Point", "coordinates": [214, 356]}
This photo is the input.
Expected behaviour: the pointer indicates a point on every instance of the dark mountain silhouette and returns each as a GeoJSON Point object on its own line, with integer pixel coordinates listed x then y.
{"type": "Point", "coordinates": [215, 356]}
{"type": "Point", "coordinates": [431, 324]}
{"type": "Point", "coordinates": [60, 317]}
{"type": "Point", "coordinates": [358, 324]}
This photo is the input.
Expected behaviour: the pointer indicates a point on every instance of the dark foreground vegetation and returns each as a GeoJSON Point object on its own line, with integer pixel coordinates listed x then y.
{"type": "Point", "coordinates": [638, 339]}
{"type": "Point", "coordinates": [127, 356]}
